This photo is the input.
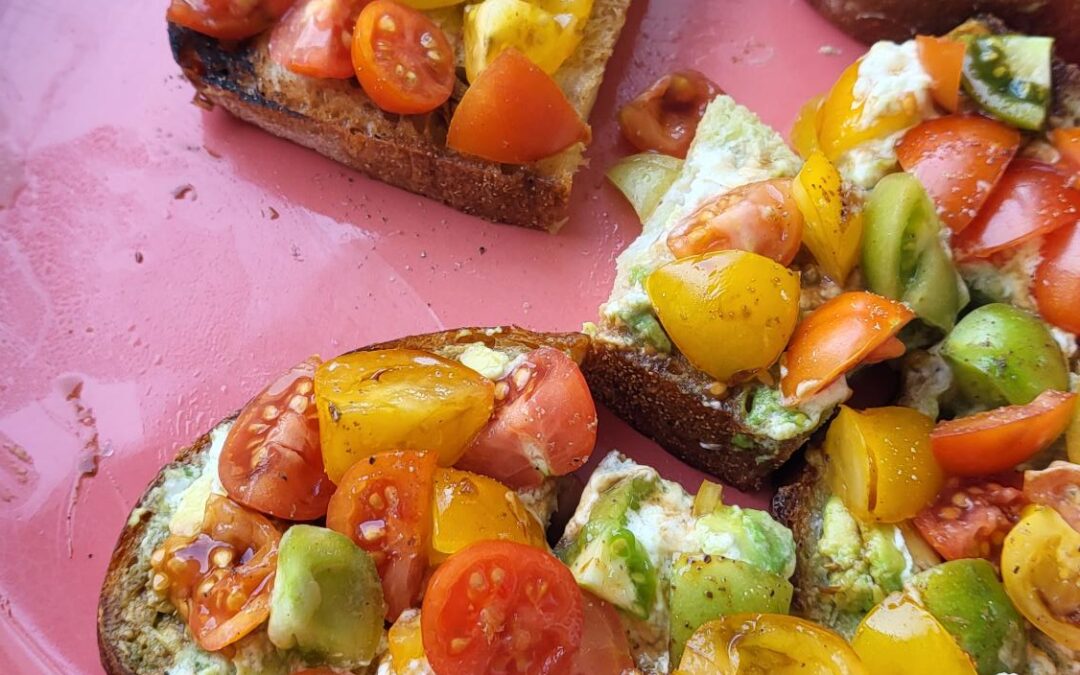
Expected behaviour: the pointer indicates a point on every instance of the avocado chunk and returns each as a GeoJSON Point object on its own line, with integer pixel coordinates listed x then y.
{"type": "Point", "coordinates": [1009, 77]}
{"type": "Point", "coordinates": [1001, 355]}
{"type": "Point", "coordinates": [749, 535]}
{"type": "Point", "coordinates": [966, 597]}
{"type": "Point", "coordinates": [607, 559]}
{"type": "Point", "coordinates": [705, 587]}
{"type": "Point", "coordinates": [327, 600]}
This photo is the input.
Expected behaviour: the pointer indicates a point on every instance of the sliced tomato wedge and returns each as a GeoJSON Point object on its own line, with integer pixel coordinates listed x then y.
{"type": "Point", "coordinates": [1067, 142]}
{"type": "Point", "coordinates": [605, 649]}
{"type": "Point", "coordinates": [220, 579]}
{"type": "Point", "coordinates": [1057, 486]}
{"type": "Point", "coordinates": [760, 217]}
{"type": "Point", "coordinates": [544, 423]}
{"type": "Point", "coordinates": [383, 503]}
{"type": "Point", "coordinates": [271, 460]}
{"type": "Point", "coordinates": [315, 38]}
{"type": "Point", "coordinates": [515, 113]}
{"type": "Point", "coordinates": [1032, 199]}
{"type": "Point", "coordinates": [958, 159]}
{"type": "Point", "coordinates": [227, 19]}
{"type": "Point", "coordinates": [665, 117]}
{"type": "Point", "coordinates": [501, 607]}
{"type": "Point", "coordinates": [1057, 279]}
{"type": "Point", "coordinates": [971, 517]}
{"type": "Point", "coordinates": [836, 337]}
{"type": "Point", "coordinates": [402, 58]}
{"type": "Point", "coordinates": [999, 439]}
{"type": "Point", "coordinates": [943, 59]}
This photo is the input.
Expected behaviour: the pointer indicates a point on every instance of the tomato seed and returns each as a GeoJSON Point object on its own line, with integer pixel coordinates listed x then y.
{"type": "Point", "coordinates": [376, 501]}
{"type": "Point", "coordinates": [298, 403]}
{"type": "Point", "coordinates": [235, 600]}
{"type": "Point", "coordinates": [270, 413]}
{"type": "Point", "coordinates": [222, 556]}
{"type": "Point", "coordinates": [498, 575]}
{"type": "Point", "coordinates": [458, 645]}
{"type": "Point", "coordinates": [159, 583]}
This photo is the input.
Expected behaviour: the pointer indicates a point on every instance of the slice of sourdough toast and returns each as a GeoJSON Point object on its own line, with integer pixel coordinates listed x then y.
{"type": "Point", "coordinates": [336, 119]}
{"type": "Point", "coordinates": [138, 632]}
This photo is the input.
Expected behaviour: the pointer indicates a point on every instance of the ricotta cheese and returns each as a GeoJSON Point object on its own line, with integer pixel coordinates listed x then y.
{"type": "Point", "coordinates": [189, 504]}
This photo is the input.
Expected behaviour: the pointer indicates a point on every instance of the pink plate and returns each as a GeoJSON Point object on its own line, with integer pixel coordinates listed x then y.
{"type": "Point", "coordinates": [158, 263]}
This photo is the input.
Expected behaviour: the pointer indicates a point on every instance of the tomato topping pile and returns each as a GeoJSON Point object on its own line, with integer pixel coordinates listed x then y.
{"type": "Point", "coordinates": [501, 607]}
{"type": "Point", "coordinates": [971, 517]}
{"type": "Point", "coordinates": [227, 19]}
{"type": "Point", "coordinates": [665, 117]}
{"type": "Point", "coordinates": [315, 38]}
{"type": "Point", "coordinates": [271, 460]}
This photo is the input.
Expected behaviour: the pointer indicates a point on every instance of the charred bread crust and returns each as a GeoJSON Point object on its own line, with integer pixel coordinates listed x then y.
{"type": "Point", "coordinates": [509, 339]}
{"type": "Point", "coordinates": [336, 119]}
{"type": "Point", "coordinates": [667, 399]}
{"type": "Point", "coordinates": [799, 505]}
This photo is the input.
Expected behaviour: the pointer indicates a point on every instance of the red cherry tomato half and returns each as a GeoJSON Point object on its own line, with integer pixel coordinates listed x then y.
{"type": "Point", "coordinates": [958, 159]}
{"type": "Point", "coordinates": [1057, 279]}
{"type": "Point", "coordinates": [605, 649]}
{"type": "Point", "coordinates": [999, 439]}
{"type": "Point", "coordinates": [971, 517]}
{"type": "Point", "coordinates": [272, 460]}
{"type": "Point", "coordinates": [315, 38]}
{"type": "Point", "coordinates": [403, 60]}
{"type": "Point", "coordinates": [1057, 486]}
{"type": "Point", "coordinates": [1032, 199]}
{"type": "Point", "coordinates": [227, 19]}
{"type": "Point", "coordinates": [383, 503]}
{"type": "Point", "coordinates": [501, 607]}
{"type": "Point", "coordinates": [665, 117]}
{"type": "Point", "coordinates": [544, 423]}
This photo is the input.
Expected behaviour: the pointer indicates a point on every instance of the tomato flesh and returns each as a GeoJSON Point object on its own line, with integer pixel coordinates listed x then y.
{"type": "Point", "coordinates": [227, 19]}
{"type": "Point", "coordinates": [1057, 279]}
{"type": "Point", "coordinates": [501, 607]}
{"type": "Point", "coordinates": [958, 159]}
{"type": "Point", "coordinates": [544, 423]}
{"type": "Point", "coordinates": [272, 460]}
{"type": "Point", "coordinates": [604, 646]}
{"type": "Point", "coordinates": [970, 517]}
{"type": "Point", "coordinates": [403, 60]}
{"type": "Point", "coordinates": [665, 117]}
{"type": "Point", "coordinates": [1057, 486]}
{"type": "Point", "coordinates": [999, 439]}
{"type": "Point", "coordinates": [943, 59]}
{"type": "Point", "coordinates": [315, 38]}
{"type": "Point", "coordinates": [384, 505]}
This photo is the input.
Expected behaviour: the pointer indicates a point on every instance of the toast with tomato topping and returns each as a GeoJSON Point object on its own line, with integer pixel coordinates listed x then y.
{"type": "Point", "coordinates": [337, 119]}
{"type": "Point", "coordinates": [140, 631]}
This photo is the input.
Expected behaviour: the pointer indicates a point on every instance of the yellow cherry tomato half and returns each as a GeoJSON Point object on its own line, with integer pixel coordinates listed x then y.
{"type": "Point", "coordinates": [881, 463]}
{"type": "Point", "coordinates": [830, 232]}
{"type": "Point", "coordinates": [1040, 565]}
{"type": "Point", "coordinates": [900, 637]}
{"type": "Point", "coordinates": [430, 4]}
{"type": "Point", "coordinates": [546, 32]}
{"type": "Point", "coordinates": [397, 399]}
{"type": "Point", "coordinates": [405, 642]}
{"type": "Point", "coordinates": [729, 312]}
{"type": "Point", "coordinates": [767, 643]}
{"type": "Point", "coordinates": [468, 507]}
{"type": "Point", "coordinates": [804, 133]}
{"type": "Point", "coordinates": [842, 124]}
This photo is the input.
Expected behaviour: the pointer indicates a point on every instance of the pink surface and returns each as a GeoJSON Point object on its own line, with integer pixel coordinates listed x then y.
{"type": "Point", "coordinates": [157, 263]}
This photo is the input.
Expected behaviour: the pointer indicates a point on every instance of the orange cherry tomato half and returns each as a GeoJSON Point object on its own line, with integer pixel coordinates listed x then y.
{"type": "Point", "coordinates": [971, 516]}
{"type": "Point", "coordinates": [271, 460]}
{"type": "Point", "coordinates": [1057, 486]}
{"type": "Point", "coordinates": [760, 217]}
{"type": "Point", "coordinates": [220, 579]}
{"type": "Point", "coordinates": [605, 649]}
{"type": "Point", "coordinates": [227, 19]}
{"type": "Point", "coordinates": [836, 337]}
{"type": "Point", "coordinates": [1057, 278]}
{"type": "Point", "coordinates": [514, 113]}
{"type": "Point", "coordinates": [315, 38]}
{"type": "Point", "coordinates": [1032, 199]}
{"type": "Point", "coordinates": [665, 117]}
{"type": "Point", "coordinates": [384, 505]}
{"type": "Point", "coordinates": [501, 607]}
{"type": "Point", "coordinates": [958, 159]}
{"type": "Point", "coordinates": [999, 439]}
{"type": "Point", "coordinates": [1067, 142]}
{"type": "Point", "coordinates": [403, 60]}
{"type": "Point", "coordinates": [943, 59]}
{"type": "Point", "coordinates": [544, 423]}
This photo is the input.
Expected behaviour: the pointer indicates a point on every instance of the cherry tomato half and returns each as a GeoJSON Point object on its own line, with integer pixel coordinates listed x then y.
{"type": "Point", "coordinates": [1057, 486]}
{"type": "Point", "coordinates": [403, 60]}
{"type": "Point", "coordinates": [1057, 278]}
{"type": "Point", "coordinates": [971, 516]}
{"type": "Point", "coordinates": [501, 607]}
{"type": "Point", "coordinates": [604, 647]}
{"type": "Point", "coordinates": [315, 38]}
{"type": "Point", "coordinates": [227, 19]}
{"type": "Point", "coordinates": [958, 159]}
{"type": "Point", "coordinates": [943, 59]}
{"type": "Point", "coordinates": [999, 439]}
{"type": "Point", "coordinates": [271, 460]}
{"type": "Point", "coordinates": [384, 505]}
{"type": "Point", "coordinates": [664, 117]}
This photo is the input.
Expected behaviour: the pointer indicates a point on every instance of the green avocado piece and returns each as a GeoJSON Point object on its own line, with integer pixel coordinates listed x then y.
{"type": "Point", "coordinates": [1002, 355]}
{"type": "Point", "coordinates": [705, 587]}
{"type": "Point", "coordinates": [966, 597]}
{"type": "Point", "coordinates": [327, 600]}
{"type": "Point", "coordinates": [749, 535]}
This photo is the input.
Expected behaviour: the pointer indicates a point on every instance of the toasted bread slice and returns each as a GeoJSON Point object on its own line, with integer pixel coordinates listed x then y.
{"type": "Point", "coordinates": [336, 119]}
{"type": "Point", "coordinates": [138, 633]}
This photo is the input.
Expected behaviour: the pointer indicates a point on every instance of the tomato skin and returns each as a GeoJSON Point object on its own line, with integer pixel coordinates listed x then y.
{"type": "Point", "coordinates": [605, 649]}
{"type": "Point", "coordinates": [943, 59]}
{"type": "Point", "coordinates": [514, 113]}
{"type": "Point", "coordinates": [227, 19]}
{"type": "Point", "coordinates": [546, 410]}
{"type": "Point", "coordinates": [971, 516]}
{"type": "Point", "coordinates": [1032, 199]}
{"type": "Point", "coordinates": [315, 38]}
{"type": "Point", "coordinates": [501, 607]}
{"type": "Point", "coordinates": [958, 159]}
{"type": "Point", "coordinates": [402, 58]}
{"type": "Point", "coordinates": [1057, 278]}
{"type": "Point", "coordinates": [665, 117]}
{"type": "Point", "coordinates": [384, 505]}
{"type": "Point", "coordinates": [999, 439]}
{"type": "Point", "coordinates": [1067, 142]}
{"type": "Point", "coordinates": [1057, 486]}
{"type": "Point", "coordinates": [282, 473]}
{"type": "Point", "coordinates": [760, 217]}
